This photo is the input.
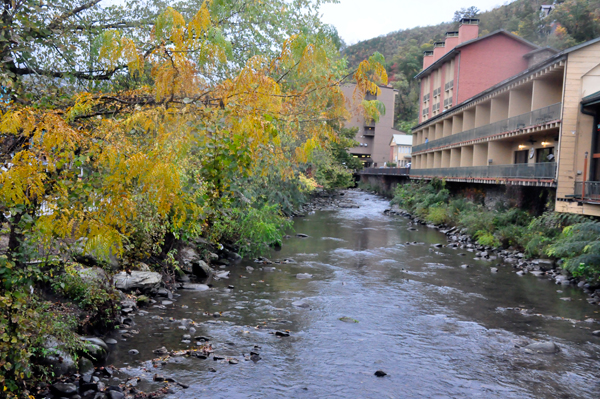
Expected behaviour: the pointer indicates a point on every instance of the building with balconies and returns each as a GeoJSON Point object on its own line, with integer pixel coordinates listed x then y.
{"type": "Point", "coordinates": [464, 65]}
{"type": "Point", "coordinates": [538, 127]}
{"type": "Point", "coordinates": [373, 137]}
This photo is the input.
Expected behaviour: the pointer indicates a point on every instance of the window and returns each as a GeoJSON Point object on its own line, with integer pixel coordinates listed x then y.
{"type": "Point", "coordinates": [544, 155]}
{"type": "Point", "coordinates": [521, 156]}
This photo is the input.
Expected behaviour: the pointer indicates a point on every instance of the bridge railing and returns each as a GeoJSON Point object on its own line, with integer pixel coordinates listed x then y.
{"type": "Point", "coordinates": [386, 171]}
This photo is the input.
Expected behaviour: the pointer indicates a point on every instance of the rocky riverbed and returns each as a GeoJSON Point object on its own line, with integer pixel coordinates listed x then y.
{"type": "Point", "coordinates": [357, 303]}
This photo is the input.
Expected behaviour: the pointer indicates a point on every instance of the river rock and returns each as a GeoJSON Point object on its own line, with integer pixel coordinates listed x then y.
{"type": "Point", "coordinates": [133, 352]}
{"type": "Point", "coordinates": [144, 281]}
{"type": "Point", "coordinates": [303, 276]}
{"type": "Point", "coordinates": [85, 366]}
{"type": "Point", "coordinates": [191, 262]}
{"type": "Point", "coordinates": [542, 347]}
{"type": "Point", "coordinates": [195, 287]}
{"type": "Point", "coordinates": [596, 333]}
{"type": "Point", "coordinates": [302, 235]}
{"type": "Point", "coordinates": [93, 275]}
{"type": "Point", "coordinates": [63, 389]}
{"type": "Point", "coordinates": [494, 270]}
{"type": "Point", "coordinates": [57, 357]}
{"type": "Point", "coordinates": [380, 373]}
{"type": "Point", "coordinates": [161, 351]}
{"type": "Point", "coordinates": [110, 341]}
{"type": "Point", "coordinates": [115, 395]}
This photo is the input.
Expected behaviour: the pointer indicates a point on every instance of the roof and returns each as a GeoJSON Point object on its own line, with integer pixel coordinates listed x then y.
{"type": "Point", "coordinates": [455, 50]}
{"type": "Point", "coordinates": [539, 50]}
{"type": "Point", "coordinates": [401, 139]}
{"type": "Point", "coordinates": [592, 99]}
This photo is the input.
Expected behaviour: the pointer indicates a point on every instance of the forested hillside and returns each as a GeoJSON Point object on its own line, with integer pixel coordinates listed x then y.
{"type": "Point", "coordinates": [571, 22]}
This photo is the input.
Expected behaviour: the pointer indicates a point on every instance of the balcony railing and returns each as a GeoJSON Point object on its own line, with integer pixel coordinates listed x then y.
{"type": "Point", "coordinates": [545, 170]}
{"type": "Point", "coordinates": [592, 190]}
{"type": "Point", "coordinates": [537, 117]}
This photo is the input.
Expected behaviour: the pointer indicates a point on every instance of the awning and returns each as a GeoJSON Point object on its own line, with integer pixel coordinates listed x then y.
{"type": "Point", "coordinates": [592, 99]}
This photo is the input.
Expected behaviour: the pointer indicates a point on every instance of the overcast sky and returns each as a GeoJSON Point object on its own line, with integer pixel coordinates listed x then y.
{"type": "Point", "coordinates": [358, 20]}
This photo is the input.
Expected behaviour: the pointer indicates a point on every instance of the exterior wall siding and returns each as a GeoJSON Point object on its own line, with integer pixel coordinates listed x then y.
{"type": "Point", "coordinates": [488, 62]}
{"type": "Point", "coordinates": [576, 133]}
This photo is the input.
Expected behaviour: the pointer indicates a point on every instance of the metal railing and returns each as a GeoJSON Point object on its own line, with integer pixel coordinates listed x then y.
{"type": "Point", "coordinates": [543, 170]}
{"type": "Point", "coordinates": [592, 190]}
{"type": "Point", "coordinates": [385, 171]}
{"type": "Point", "coordinates": [537, 117]}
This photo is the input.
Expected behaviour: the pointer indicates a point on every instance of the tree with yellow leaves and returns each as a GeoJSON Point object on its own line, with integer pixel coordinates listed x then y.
{"type": "Point", "coordinates": [123, 129]}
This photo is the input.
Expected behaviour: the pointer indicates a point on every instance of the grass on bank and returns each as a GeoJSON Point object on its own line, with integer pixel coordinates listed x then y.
{"type": "Point", "coordinates": [573, 238]}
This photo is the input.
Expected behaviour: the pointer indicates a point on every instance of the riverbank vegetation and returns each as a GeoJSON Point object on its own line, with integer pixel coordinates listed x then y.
{"type": "Point", "coordinates": [574, 239]}
{"type": "Point", "coordinates": [125, 130]}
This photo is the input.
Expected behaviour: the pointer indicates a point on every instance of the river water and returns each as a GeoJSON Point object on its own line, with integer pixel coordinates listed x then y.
{"type": "Point", "coordinates": [438, 330]}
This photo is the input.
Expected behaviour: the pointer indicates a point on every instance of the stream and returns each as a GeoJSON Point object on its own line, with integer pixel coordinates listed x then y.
{"type": "Point", "coordinates": [437, 329]}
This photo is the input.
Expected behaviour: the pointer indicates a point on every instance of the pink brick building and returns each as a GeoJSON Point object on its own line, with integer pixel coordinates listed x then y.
{"type": "Point", "coordinates": [464, 65]}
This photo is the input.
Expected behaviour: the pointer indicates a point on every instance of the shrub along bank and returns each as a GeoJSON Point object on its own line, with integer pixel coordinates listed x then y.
{"type": "Point", "coordinates": [572, 239]}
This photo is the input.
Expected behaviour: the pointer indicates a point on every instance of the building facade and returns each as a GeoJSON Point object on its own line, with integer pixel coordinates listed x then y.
{"type": "Point", "coordinates": [464, 65]}
{"type": "Point", "coordinates": [400, 150]}
{"type": "Point", "coordinates": [534, 128]}
{"type": "Point", "coordinates": [373, 137]}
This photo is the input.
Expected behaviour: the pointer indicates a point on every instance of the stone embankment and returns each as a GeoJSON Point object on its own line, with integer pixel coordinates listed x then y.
{"type": "Point", "coordinates": [542, 268]}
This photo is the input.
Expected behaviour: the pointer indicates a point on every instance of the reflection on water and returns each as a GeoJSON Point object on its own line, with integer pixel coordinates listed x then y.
{"type": "Point", "coordinates": [437, 329]}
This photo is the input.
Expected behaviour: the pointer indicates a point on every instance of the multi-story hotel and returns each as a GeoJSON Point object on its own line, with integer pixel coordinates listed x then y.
{"type": "Point", "coordinates": [373, 137]}
{"type": "Point", "coordinates": [499, 110]}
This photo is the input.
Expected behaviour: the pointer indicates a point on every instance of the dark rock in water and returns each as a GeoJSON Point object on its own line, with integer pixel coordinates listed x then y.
{"type": "Point", "coordinates": [201, 338]}
{"type": "Point", "coordinates": [161, 351]}
{"type": "Point", "coordinates": [85, 366]}
{"type": "Point", "coordinates": [464, 266]}
{"type": "Point", "coordinates": [230, 287]}
{"type": "Point", "coordinates": [233, 361]}
{"type": "Point", "coordinates": [134, 352]}
{"type": "Point", "coordinates": [216, 314]}
{"type": "Point", "coordinates": [596, 333]}
{"type": "Point", "coordinates": [158, 378]}
{"type": "Point", "coordinates": [218, 357]}
{"type": "Point", "coordinates": [63, 389]}
{"type": "Point", "coordinates": [282, 334]}
{"type": "Point", "coordinates": [212, 370]}
{"type": "Point", "coordinates": [115, 395]}
{"type": "Point", "coordinates": [542, 347]}
{"type": "Point", "coordinates": [380, 373]}
{"type": "Point", "coordinates": [301, 235]}
{"type": "Point", "coordinates": [301, 304]}
{"type": "Point", "coordinates": [255, 357]}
